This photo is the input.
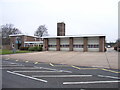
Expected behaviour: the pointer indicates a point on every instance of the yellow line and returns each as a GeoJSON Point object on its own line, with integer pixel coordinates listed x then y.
{"type": "Point", "coordinates": [76, 67]}
{"type": "Point", "coordinates": [89, 68]}
{"type": "Point", "coordinates": [96, 68]}
{"type": "Point", "coordinates": [83, 68]}
{"type": "Point", "coordinates": [26, 61]}
{"type": "Point", "coordinates": [110, 71]}
{"type": "Point", "coordinates": [51, 64]}
{"type": "Point", "coordinates": [36, 63]}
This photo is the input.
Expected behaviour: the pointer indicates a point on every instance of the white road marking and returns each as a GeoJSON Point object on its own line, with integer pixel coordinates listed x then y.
{"type": "Point", "coordinates": [7, 59]}
{"type": "Point", "coordinates": [27, 76]}
{"type": "Point", "coordinates": [13, 63]}
{"type": "Point", "coordinates": [62, 76]}
{"type": "Point", "coordinates": [10, 65]}
{"type": "Point", "coordinates": [37, 71]}
{"type": "Point", "coordinates": [47, 68]}
{"type": "Point", "coordinates": [108, 77]}
{"type": "Point", "coordinates": [54, 69]}
{"type": "Point", "coordinates": [20, 68]}
{"type": "Point", "coordinates": [90, 82]}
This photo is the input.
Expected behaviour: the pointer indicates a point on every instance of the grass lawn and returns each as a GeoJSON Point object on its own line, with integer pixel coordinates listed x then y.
{"type": "Point", "coordinates": [3, 52]}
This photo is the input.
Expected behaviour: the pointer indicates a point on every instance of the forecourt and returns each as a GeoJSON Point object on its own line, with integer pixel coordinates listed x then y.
{"type": "Point", "coordinates": [32, 74]}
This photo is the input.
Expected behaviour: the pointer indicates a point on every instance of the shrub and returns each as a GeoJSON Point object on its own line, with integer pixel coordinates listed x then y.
{"type": "Point", "coordinates": [36, 48]}
{"type": "Point", "coordinates": [40, 48]}
{"type": "Point", "coordinates": [24, 48]}
{"type": "Point", "coordinates": [31, 49]}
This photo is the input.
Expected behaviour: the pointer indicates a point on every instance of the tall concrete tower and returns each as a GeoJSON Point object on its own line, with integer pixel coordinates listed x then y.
{"type": "Point", "coordinates": [61, 29]}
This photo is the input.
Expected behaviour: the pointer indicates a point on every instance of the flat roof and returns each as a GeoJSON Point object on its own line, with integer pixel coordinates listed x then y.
{"type": "Point", "coordinates": [67, 36]}
{"type": "Point", "coordinates": [22, 35]}
{"type": "Point", "coordinates": [33, 42]}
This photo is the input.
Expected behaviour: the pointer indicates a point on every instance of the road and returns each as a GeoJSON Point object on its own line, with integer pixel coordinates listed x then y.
{"type": "Point", "coordinates": [29, 74]}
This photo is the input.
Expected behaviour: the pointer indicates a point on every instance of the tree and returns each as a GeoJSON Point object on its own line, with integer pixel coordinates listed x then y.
{"type": "Point", "coordinates": [6, 30]}
{"type": "Point", "coordinates": [9, 29]}
{"type": "Point", "coordinates": [41, 31]}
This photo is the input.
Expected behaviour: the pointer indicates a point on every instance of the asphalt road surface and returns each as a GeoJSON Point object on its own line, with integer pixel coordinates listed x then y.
{"type": "Point", "coordinates": [25, 74]}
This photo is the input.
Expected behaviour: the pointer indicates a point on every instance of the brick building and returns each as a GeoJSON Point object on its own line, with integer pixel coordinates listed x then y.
{"type": "Point", "coordinates": [81, 43]}
{"type": "Point", "coordinates": [21, 40]}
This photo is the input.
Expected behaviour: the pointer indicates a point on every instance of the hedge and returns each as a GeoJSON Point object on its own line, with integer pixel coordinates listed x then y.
{"type": "Point", "coordinates": [24, 48]}
{"type": "Point", "coordinates": [36, 48]}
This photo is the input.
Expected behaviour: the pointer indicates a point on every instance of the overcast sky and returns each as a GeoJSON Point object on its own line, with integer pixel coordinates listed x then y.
{"type": "Point", "coordinates": [80, 16]}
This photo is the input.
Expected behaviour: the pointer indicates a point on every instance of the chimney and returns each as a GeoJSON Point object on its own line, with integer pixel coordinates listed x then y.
{"type": "Point", "coordinates": [61, 29]}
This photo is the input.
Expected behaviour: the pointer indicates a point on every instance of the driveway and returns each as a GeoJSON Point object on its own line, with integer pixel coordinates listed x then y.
{"type": "Point", "coordinates": [107, 59]}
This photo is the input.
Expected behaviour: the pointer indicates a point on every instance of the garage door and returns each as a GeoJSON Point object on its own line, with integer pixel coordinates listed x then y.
{"type": "Point", "coordinates": [93, 44]}
{"type": "Point", "coordinates": [52, 45]}
{"type": "Point", "coordinates": [78, 44]}
{"type": "Point", "coordinates": [64, 44]}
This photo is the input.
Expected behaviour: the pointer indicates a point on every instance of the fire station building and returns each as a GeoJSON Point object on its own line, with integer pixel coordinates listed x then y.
{"type": "Point", "coordinates": [82, 43]}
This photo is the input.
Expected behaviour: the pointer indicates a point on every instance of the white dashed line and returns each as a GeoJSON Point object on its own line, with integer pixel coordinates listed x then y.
{"type": "Point", "coordinates": [37, 71]}
{"type": "Point", "coordinates": [62, 76]}
{"type": "Point", "coordinates": [27, 76]}
{"type": "Point", "coordinates": [13, 63]}
{"type": "Point", "coordinates": [10, 65]}
{"type": "Point", "coordinates": [91, 82]}
{"type": "Point", "coordinates": [53, 69]}
{"type": "Point", "coordinates": [108, 77]}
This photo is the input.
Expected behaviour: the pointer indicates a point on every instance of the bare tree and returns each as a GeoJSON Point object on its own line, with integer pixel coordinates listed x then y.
{"type": "Point", "coordinates": [9, 29]}
{"type": "Point", "coordinates": [41, 31]}
{"type": "Point", "coordinates": [6, 30]}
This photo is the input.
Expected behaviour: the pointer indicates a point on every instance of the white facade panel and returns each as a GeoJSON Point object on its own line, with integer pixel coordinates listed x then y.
{"type": "Point", "coordinates": [64, 49]}
{"type": "Point", "coordinates": [52, 44]}
{"type": "Point", "coordinates": [64, 44]}
{"type": "Point", "coordinates": [93, 44]}
{"type": "Point", "coordinates": [52, 49]}
{"type": "Point", "coordinates": [94, 40]}
{"type": "Point", "coordinates": [78, 44]}
{"type": "Point", "coordinates": [64, 41]}
{"type": "Point", "coordinates": [52, 41]}
{"type": "Point", "coordinates": [78, 49]}
{"type": "Point", "coordinates": [93, 49]}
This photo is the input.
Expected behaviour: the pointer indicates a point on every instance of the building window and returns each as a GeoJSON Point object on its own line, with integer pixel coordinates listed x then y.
{"type": "Point", "coordinates": [78, 46]}
{"type": "Point", "coordinates": [93, 46]}
{"type": "Point", "coordinates": [64, 46]}
{"type": "Point", "coordinates": [52, 46]}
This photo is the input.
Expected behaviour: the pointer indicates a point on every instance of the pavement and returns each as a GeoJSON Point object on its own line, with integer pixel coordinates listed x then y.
{"type": "Point", "coordinates": [30, 74]}
{"type": "Point", "coordinates": [107, 59]}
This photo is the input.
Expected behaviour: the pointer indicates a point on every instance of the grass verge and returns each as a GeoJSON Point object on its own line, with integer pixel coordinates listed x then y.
{"type": "Point", "coordinates": [3, 52]}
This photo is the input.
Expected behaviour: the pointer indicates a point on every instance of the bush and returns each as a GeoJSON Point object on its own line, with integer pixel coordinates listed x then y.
{"type": "Point", "coordinates": [36, 48]}
{"type": "Point", "coordinates": [40, 48]}
{"type": "Point", "coordinates": [31, 49]}
{"type": "Point", "coordinates": [24, 48]}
